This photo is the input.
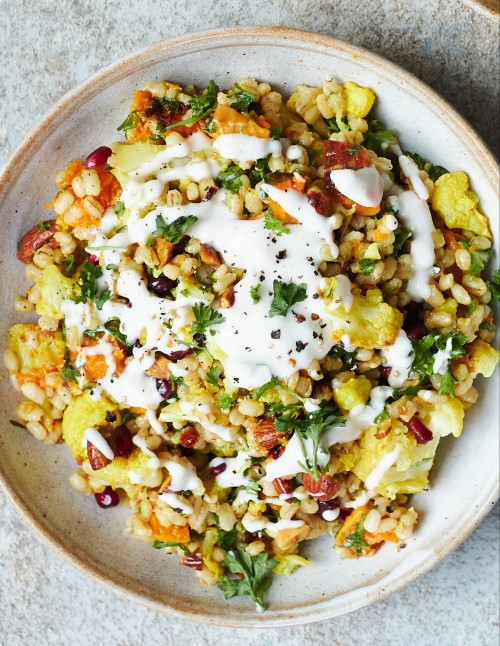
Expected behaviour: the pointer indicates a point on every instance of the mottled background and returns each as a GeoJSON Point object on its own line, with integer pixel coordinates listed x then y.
{"type": "Point", "coordinates": [46, 47]}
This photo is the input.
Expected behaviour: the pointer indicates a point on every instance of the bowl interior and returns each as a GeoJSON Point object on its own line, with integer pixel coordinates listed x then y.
{"type": "Point", "coordinates": [464, 481]}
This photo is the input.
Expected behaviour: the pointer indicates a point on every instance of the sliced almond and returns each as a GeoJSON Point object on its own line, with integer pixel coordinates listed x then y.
{"type": "Point", "coordinates": [227, 298]}
{"type": "Point", "coordinates": [36, 238]}
{"type": "Point", "coordinates": [97, 459]}
{"type": "Point", "coordinates": [209, 256]}
{"type": "Point", "coordinates": [165, 251]}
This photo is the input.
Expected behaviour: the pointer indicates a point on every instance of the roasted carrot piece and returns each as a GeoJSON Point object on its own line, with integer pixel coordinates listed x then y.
{"type": "Point", "coordinates": [171, 534]}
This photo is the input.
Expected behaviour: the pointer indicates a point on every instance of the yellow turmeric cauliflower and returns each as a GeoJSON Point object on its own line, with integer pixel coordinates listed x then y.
{"type": "Point", "coordinates": [370, 323]}
{"type": "Point", "coordinates": [456, 204]}
{"type": "Point", "coordinates": [355, 391]}
{"type": "Point", "coordinates": [483, 359]}
{"type": "Point", "coordinates": [359, 99]}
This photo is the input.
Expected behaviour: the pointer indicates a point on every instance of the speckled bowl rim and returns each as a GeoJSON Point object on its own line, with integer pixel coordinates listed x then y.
{"type": "Point", "coordinates": [487, 8]}
{"type": "Point", "coordinates": [91, 87]}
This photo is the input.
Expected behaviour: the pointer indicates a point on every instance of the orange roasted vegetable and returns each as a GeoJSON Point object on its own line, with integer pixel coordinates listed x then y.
{"type": "Point", "coordinates": [228, 121]}
{"type": "Point", "coordinates": [171, 534]}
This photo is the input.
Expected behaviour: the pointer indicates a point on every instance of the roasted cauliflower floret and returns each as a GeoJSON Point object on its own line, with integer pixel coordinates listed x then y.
{"type": "Point", "coordinates": [370, 323]}
{"type": "Point", "coordinates": [53, 288]}
{"type": "Point", "coordinates": [355, 391]}
{"type": "Point", "coordinates": [359, 99]}
{"type": "Point", "coordinates": [456, 204]}
{"type": "Point", "coordinates": [483, 359]}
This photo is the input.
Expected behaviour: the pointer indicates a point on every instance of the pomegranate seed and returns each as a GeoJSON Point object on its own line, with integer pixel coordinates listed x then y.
{"type": "Point", "coordinates": [107, 498]}
{"type": "Point", "coordinates": [98, 157]}
{"type": "Point", "coordinates": [219, 468]}
{"type": "Point", "coordinates": [420, 431]}
{"type": "Point", "coordinates": [189, 437]}
{"type": "Point", "coordinates": [385, 371]}
{"type": "Point", "coordinates": [164, 387]}
{"type": "Point", "coordinates": [161, 285]}
{"type": "Point", "coordinates": [193, 560]}
{"type": "Point", "coordinates": [93, 259]}
{"type": "Point", "coordinates": [123, 442]}
{"type": "Point", "coordinates": [180, 354]}
{"type": "Point", "coordinates": [415, 331]}
{"type": "Point", "coordinates": [276, 451]}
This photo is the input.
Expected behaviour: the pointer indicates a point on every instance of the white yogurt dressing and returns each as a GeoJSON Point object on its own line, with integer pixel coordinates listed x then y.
{"type": "Point", "coordinates": [288, 462]}
{"type": "Point", "coordinates": [442, 358]}
{"type": "Point", "coordinates": [331, 514]}
{"type": "Point", "coordinates": [359, 419]}
{"type": "Point", "coordinates": [258, 524]}
{"type": "Point", "coordinates": [176, 502]}
{"type": "Point", "coordinates": [400, 357]}
{"type": "Point", "coordinates": [411, 171]}
{"type": "Point", "coordinates": [184, 477]}
{"type": "Point", "coordinates": [364, 186]}
{"type": "Point", "coordinates": [416, 216]}
{"type": "Point", "coordinates": [232, 476]}
{"type": "Point", "coordinates": [374, 478]}
{"type": "Point", "coordinates": [245, 148]}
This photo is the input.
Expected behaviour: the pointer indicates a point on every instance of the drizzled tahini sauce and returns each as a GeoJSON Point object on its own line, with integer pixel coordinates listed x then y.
{"type": "Point", "coordinates": [244, 148]}
{"type": "Point", "coordinates": [374, 478]}
{"type": "Point", "coordinates": [416, 216]}
{"type": "Point", "coordinates": [442, 358]}
{"type": "Point", "coordinates": [364, 186]}
{"type": "Point", "coordinates": [399, 357]}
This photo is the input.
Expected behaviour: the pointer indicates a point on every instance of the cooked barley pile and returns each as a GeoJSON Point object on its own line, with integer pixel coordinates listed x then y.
{"type": "Point", "coordinates": [256, 318]}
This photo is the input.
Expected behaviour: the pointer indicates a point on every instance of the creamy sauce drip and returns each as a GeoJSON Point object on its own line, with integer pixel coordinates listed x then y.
{"type": "Point", "coordinates": [245, 148]}
{"type": "Point", "coordinates": [400, 357]}
{"type": "Point", "coordinates": [416, 216]}
{"type": "Point", "coordinates": [364, 186]}
{"type": "Point", "coordinates": [374, 478]}
{"type": "Point", "coordinates": [442, 358]}
{"type": "Point", "coordinates": [93, 436]}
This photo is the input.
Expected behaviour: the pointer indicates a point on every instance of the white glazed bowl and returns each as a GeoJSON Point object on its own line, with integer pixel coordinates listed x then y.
{"type": "Point", "coordinates": [464, 483]}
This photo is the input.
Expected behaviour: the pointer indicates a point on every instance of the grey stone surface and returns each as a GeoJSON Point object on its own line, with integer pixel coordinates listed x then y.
{"type": "Point", "coordinates": [45, 48]}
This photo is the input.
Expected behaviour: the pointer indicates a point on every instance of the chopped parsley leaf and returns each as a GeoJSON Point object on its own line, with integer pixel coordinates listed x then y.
{"type": "Point", "coordinates": [88, 288]}
{"type": "Point", "coordinates": [366, 266]}
{"type": "Point", "coordinates": [213, 375]}
{"type": "Point", "coordinates": [205, 316]}
{"type": "Point", "coordinates": [231, 179]}
{"type": "Point", "coordinates": [173, 231]}
{"type": "Point", "coordinates": [478, 259]}
{"type": "Point", "coordinates": [255, 570]}
{"type": "Point", "coordinates": [132, 121]}
{"type": "Point", "coordinates": [242, 99]}
{"type": "Point", "coordinates": [434, 172]}
{"type": "Point", "coordinates": [400, 237]}
{"type": "Point", "coordinates": [43, 226]}
{"type": "Point", "coordinates": [69, 371]}
{"type": "Point", "coordinates": [201, 106]}
{"type": "Point", "coordinates": [494, 287]}
{"type": "Point", "coordinates": [119, 208]}
{"type": "Point", "coordinates": [356, 538]}
{"type": "Point", "coordinates": [225, 401]}
{"type": "Point", "coordinates": [227, 539]}
{"type": "Point", "coordinates": [158, 545]}
{"type": "Point", "coordinates": [273, 224]}
{"type": "Point", "coordinates": [378, 139]}
{"type": "Point", "coordinates": [285, 295]}
{"type": "Point", "coordinates": [255, 293]}
{"type": "Point", "coordinates": [68, 265]}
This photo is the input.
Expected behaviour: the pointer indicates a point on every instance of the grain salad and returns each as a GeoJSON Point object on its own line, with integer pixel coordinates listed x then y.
{"type": "Point", "coordinates": [256, 317]}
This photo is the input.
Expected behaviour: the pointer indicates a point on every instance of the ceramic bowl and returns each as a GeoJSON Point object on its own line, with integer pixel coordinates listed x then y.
{"type": "Point", "coordinates": [488, 8]}
{"type": "Point", "coordinates": [464, 483]}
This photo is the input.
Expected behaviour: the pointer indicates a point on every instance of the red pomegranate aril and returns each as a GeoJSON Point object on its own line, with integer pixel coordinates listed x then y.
{"type": "Point", "coordinates": [415, 331]}
{"type": "Point", "coordinates": [93, 259]}
{"type": "Point", "coordinates": [98, 157]}
{"type": "Point", "coordinates": [276, 451]}
{"type": "Point", "coordinates": [420, 431]}
{"type": "Point", "coordinates": [385, 371]}
{"type": "Point", "coordinates": [107, 498]}
{"type": "Point", "coordinates": [180, 354]}
{"type": "Point", "coordinates": [165, 388]}
{"type": "Point", "coordinates": [123, 442]}
{"type": "Point", "coordinates": [218, 469]}
{"type": "Point", "coordinates": [193, 560]}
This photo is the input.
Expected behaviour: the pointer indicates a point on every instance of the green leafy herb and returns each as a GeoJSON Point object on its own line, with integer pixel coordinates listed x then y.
{"type": "Point", "coordinates": [494, 287]}
{"type": "Point", "coordinates": [478, 258]}
{"type": "Point", "coordinates": [92, 334]}
{"type": "Point", "coordinates": [356, 538]}
{"type": "Point", "coordinates": [354, 149]}
{"type": "Point", "coordinates": [158, 545]}
{"type": "Point", "coordinates": [260, 172]}
{"type": "Point", "coordinates": [128, 415]}
{"type": "Point", "coordinates": [132, 121]}
{"type": "Point", "coordinates": [43, 226]}
{"type": "Point", "coordinates": [273, 383]}
{"type": "Point", "coordinates": [276, 133]}
{"type": "Point", "coordinates": [227, 539]}
{"type": "Point", "coordinates": [472, 306]}
{"type": "Point", "coordinates": [113, 327]}
{"type": "Point", "coordinates": [16, 424]}
{"type": "Point", "coordinates": [434, 172]}
{"type": "Point", "coordinates": [173, 231]}
{"type": "Point", "coordinates": [205, 316]}
{"type": "Point", "coordinates": [213, 375]}
{"type": "Point", "coordinates": [311, 428]}
{"type": "Point", "coordinates": [285, 295]}
{"type": "Point", "coordinates": [336, 125]}
{"type": "Point", "coordinates": [242, 99]}
{"type": "Point", "coordinates": [69, 371]}
{"type": "Point", "coordinates": [225, 401]}
{"type": "Point", "coordinates": [424, 350]}
{"type": "Point", "coordinates": [119, 208]}
{"type": "Point", "coordinates": [380, 418]}
{"type": "Point", "coordinates": [366, 266]}
{"type": "Point", "coordinates": [255, 570]}
{"type": "Point", "coordinates": [201, 106]}
{"type": "Point", "coordinates": [255, 293]}
{"type": "Point", "coordinates": [347, 358]}
{"type": "Point", "coordinates": [112, 266]}
{"type": "Point", "coordinates": [274, 225]}
{"type": "Point", "coordinates": [231, 179]}
{"type": "Point", "coordinates": [400, 237]}
{"type": "Point", "coordinates": [378, 139]}
{"type": "Point", "coordinates": [210, 125]}
{"type": "Point", "coordinates": [167, 101]}
{"type": "Point", "coordinates": [487, 326]}
{"type": "Point", "coordinates": [88, 288]}
{"type": "Point", "coordinates": [68, 266]}
{"type": "Point", "coordinates": [447, 386]}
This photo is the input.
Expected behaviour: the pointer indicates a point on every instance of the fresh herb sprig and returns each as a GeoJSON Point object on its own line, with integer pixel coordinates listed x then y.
{"type": "Point", "coordinates": [201, 106]}
{"type": "Point", "coordinates": [88, 289]}
{"type": "Point", "coordinates": [256, 573]}
{"type": "Point", "coordinates": [494, 287]}
{"type": "Point", "coordinates": [242, 99]}
{"type": "Point", "coordinates": [285, 295]}
{"type": "Point", "coordinates": [173, 231]}
{"type": "Point", "coordinates": [69, 370]}
{"type": "Point", "coordinates": [378, 139]}
{"type": "Point", "coordinates": [273, 224]}
{"type": "Point", "coordinates": [356, 538]}
{"type": "Point", "coordinates": [205, 316]}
